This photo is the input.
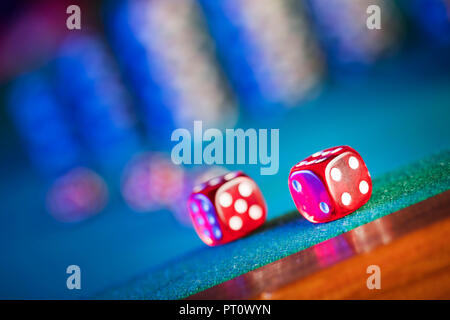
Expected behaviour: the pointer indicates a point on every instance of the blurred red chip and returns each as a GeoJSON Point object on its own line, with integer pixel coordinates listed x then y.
{"type": "Point", "coordinates": [151, 181]}
{"type": "Point", "coordinates": [77, 195]}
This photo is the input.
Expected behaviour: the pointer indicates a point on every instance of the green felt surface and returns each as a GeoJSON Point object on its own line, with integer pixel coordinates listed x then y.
{"type": "Point", "coordinates": [286, 235]}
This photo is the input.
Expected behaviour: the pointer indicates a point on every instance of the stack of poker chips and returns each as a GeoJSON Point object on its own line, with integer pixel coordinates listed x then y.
{"type": "Point", "coordinates": [74, 192]}
{"type": "Point", "coordinates": [341, 26]}
{"type": "Point", "coordinates": [169, 61]}
{"type": "Point", "coordinates": [433, 18]}
{"type": "Point", "coordinates": [43, 125]}
{"type": "Point", "coordinates": [96, 101]}
{"type": "Point", "coordinates": [267, 50]}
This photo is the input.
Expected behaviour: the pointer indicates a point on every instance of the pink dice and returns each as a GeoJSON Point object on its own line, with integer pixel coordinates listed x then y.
{"type": "Point", "coordinates": [330, 184]}
{"type": "Point", "coordinates": [226, 208]}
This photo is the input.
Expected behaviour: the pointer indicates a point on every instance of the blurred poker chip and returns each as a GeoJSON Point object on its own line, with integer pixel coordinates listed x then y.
{"type": "Point", "coordinates": [343, 31]}
{"type": "Point", "coordinates": [151, 182]}
{"type": "Point", "coordinates": [77, 195]}
{"type": "Point", "coordinates": [269, 70]}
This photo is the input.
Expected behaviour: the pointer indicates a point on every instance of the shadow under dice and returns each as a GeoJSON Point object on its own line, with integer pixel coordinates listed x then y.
{"type": "Point", "coordinates": [226, 208]}
{"type": "Point", "coordinates": [330, 184]}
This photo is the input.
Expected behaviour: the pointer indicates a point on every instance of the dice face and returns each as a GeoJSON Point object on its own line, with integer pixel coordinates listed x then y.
{"type": "Point", "coordinates": [226, 208]}
{"type": "Point", "coordinates": [348, 181]}
{"type": "Point", "coordinates": [240, 204]}
{"type": "Point", "coordinates": [205, 220]}
{"type": "Point", "coordinates": [330, 184]}
{"type": "Point", "coordinates": [310, 196]}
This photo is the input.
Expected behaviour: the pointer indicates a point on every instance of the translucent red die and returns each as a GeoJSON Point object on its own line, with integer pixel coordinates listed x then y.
{"type": "Point", "coordinates": [226, 208]}
{"type": "Point", "coordinates": [330, 184]}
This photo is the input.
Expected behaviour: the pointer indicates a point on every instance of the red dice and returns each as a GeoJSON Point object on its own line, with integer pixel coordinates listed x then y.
{"type": "Point", "coordinates": [226, 208]}
{"type": "Point", "coordinates": [330, 184]}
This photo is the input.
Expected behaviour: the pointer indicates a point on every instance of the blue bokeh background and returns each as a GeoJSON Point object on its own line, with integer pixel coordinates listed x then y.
{"type": "Point", "coordinates": [394, 111]}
